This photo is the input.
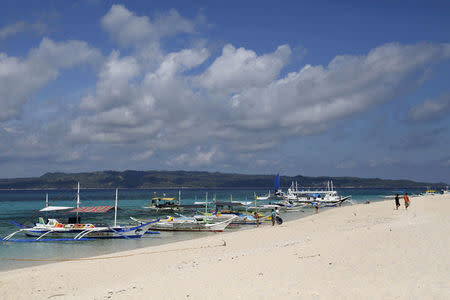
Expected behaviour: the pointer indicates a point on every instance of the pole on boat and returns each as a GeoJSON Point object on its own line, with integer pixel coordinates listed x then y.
{"type": "Point", "coordinates": [115, 207]}
{"type": "Point", "coordinates": [78, 199]}
{"type": "Point", "coordinates": [78, 195]}
{"type": "Point", "coordinates": [206, 204]}
{"type": "Point", "coordinates": [179, 197]}
{"type": "Point", "coordinates": [46, 199]}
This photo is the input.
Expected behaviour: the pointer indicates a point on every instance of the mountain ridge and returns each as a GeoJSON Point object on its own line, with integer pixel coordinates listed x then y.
{"type": "Point", "coordinates": [196, 179]}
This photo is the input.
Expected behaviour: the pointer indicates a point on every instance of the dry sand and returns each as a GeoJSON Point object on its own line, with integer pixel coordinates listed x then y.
{"type": "Point", "coordinates": [367, 251]}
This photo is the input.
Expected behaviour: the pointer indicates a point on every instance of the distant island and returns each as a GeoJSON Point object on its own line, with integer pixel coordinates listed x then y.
{"type": "Point", "coordinates": [193, 179]}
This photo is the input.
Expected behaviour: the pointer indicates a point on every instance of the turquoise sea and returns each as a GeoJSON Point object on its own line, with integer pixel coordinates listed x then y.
{"type": "Point", "coordinates": [22, 205]}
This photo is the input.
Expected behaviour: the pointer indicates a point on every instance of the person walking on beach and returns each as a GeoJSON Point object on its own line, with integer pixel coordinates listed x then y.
{"type": "Point", "coordinates": [256, 216]}
{"type": "Point", "coordinates": [397, 202]}
{"type": "Point", "coordinates": [278, 219]}
{"type": "Point", "coordinates": [406, 198]}
{"type": "Point", "coordinates": [274, 216]}
{"type": "Point", "coordinates": [316, 205]}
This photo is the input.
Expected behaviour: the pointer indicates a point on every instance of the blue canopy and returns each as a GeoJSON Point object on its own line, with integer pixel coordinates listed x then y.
{"type": "Point", "coordinates": [277, 182]}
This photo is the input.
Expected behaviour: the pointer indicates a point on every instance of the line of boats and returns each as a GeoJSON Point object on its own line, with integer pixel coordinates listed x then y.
{"type": "Point", "coordinates": [294, 195]}
{"type": "Point", "coordinates": [212, 216]}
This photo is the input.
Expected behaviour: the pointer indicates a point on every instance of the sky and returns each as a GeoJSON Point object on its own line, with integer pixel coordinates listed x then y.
{"type": "Point", "coordinates": [317, 88]}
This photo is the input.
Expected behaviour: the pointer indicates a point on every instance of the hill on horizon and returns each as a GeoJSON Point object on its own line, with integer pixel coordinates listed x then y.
{"type": "Point", "coordinates": [195, 179]}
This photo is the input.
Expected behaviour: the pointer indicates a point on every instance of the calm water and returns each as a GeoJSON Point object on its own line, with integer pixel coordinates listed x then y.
{"type": "Point", "coordinates": [22, 206]}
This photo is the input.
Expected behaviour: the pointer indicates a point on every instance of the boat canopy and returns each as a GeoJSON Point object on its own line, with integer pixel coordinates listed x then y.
{"type": "Point", "coordinates": [55, 208]}
{"type": "Point", "coordinates": [92, 209]}
{"type": "Point", "coordinates": [164, 198]}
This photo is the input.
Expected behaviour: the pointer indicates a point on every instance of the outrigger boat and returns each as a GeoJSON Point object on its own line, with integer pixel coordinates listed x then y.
{"type": "Point", "coordinates": [164, 204]}
{"type": "Point", "coordinates": [198, 223]}
{"type": "Point", "coordinates": [278, 195]}
{"type": "Point", "coordinates": [244, 219]}
{"type": "Point", "coordinates": [329, 196]}
{"type": "Point", "coordinates": [73, 230]}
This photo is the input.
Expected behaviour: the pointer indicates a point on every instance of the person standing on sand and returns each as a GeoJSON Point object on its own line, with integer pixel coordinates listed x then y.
{"type": "Point", "coordinates": [256, 216]}
{"type": "Point", "coordinates": [406, 200]}
{"type": "Point", "coordinates": [316, 205]}
{"type": "Point", "coordinates": [397, 202]}
{"type": "Point", "coordinates": [274, 216]}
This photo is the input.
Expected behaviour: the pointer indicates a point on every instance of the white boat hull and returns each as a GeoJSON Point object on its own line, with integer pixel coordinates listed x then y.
{"type": "Point", "coordinates": [187, 224]}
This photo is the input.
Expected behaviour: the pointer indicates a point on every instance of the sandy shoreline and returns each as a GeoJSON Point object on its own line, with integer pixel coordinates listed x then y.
{"type": "Point", "coordinates": [360, 251]}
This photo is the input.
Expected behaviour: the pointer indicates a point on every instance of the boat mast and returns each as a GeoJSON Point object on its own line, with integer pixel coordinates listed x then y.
{"type": "Point", "coordinates": [78, 199]}
{"type": "Point", "coordinates": [115, 208]}
{"type": "Point", "coordinates": [206, 204]}
{"type": "Point", "coordinates": [46, 199]}
{"type": "Point", "coordinates": [179, 197]}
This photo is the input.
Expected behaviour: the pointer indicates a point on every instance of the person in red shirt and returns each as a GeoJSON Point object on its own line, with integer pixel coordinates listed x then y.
{"type": "Point", "coordinates": [406, 200]}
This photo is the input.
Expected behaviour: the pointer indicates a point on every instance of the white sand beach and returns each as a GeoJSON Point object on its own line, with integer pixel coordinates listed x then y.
{"type": "Point", "coordinates": [366, 251]}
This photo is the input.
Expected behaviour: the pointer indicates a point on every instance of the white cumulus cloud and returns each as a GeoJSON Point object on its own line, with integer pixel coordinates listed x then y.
{"type": "Point", "coordinates": [309, 100]}
{"type": "Point", "coordinates": [128, 29]}
{"type": "Point", "coordinates": [20, 78]}
{"type": "Point", "coordinates": [238, 69]}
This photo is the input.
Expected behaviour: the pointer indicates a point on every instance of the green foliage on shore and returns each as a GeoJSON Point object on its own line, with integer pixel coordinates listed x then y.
{"type": "Point", "coordinates": [172, 179]}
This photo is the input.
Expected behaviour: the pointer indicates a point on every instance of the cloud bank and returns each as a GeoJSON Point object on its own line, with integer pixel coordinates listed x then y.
{"type": "Point", "coordinates": [193, 109]}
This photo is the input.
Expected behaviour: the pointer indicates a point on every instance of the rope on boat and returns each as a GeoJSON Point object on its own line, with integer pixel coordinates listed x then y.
{"type": "Point", "coordinates": [224, 244]}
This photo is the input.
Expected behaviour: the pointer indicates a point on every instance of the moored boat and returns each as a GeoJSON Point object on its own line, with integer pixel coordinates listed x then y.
{"type": "Point", "coordinates": [75, 230]}
{"type": "Point", "coordinates": [187, 224]}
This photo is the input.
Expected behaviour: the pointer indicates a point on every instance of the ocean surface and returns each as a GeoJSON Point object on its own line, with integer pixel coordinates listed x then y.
{"type": "Point", "coordinates": [22, 207]}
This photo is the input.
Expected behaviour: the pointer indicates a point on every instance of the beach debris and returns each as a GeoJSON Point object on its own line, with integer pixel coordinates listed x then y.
{"type": "Point", "coordinates": [309, 256]}
{"type": "Point", "coordinates": [290, 243]}
{"type": "Point", "coordinates": [55, 295]}
{"type": "Point", "coordinates": [260, 273]}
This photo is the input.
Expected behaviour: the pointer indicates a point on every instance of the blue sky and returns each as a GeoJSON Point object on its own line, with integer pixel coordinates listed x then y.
{"type": "Point", "coordinates": [340, 88]}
